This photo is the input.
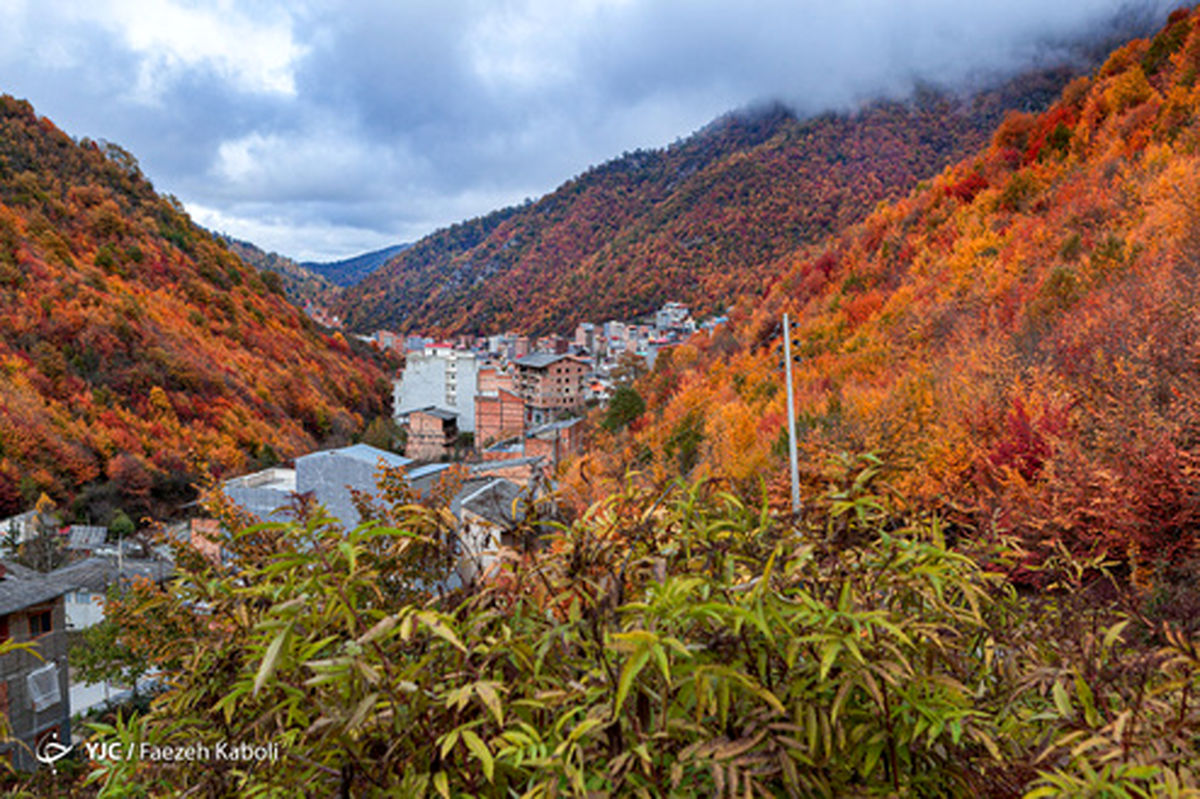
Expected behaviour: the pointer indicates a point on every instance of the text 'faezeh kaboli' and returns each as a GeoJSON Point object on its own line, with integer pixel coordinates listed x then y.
{"type": "Point", "coordinates": [189, 753]}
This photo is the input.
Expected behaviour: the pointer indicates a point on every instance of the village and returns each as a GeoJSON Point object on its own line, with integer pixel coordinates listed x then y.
{"type": "Point", "coordinates": [495, 414]}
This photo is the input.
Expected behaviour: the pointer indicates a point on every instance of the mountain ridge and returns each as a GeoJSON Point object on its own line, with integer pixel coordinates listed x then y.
{"type": "Point", "coordinates": [353, 270]}
{"type": "Point", "coordinates": [1015, 338]}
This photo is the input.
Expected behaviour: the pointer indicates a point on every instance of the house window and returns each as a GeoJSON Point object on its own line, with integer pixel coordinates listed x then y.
{"type": "Point", "coordinates": [40, 622]}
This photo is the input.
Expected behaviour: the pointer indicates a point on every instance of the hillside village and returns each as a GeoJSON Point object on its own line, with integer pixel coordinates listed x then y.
{"type": "Point", "coordinates": [490, 416]}
{"type": "Point", "coordinates": [517, 396]}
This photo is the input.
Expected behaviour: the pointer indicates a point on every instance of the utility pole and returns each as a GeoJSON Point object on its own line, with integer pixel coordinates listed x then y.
{"type": "Point", "coordinates": [791, 414]}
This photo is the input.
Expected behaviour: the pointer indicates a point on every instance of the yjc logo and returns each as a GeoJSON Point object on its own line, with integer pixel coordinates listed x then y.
{"type": "Point", "coordinates": [50, 751]}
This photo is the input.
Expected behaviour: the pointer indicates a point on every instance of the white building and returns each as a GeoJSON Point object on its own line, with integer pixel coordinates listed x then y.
{"type": "Point", "coordinates": [442, 377]}
{"type": "Point", "coordinates": [674, 316]}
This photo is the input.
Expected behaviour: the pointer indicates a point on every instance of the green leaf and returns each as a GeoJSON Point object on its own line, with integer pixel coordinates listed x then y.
{"type": "Point", "coordinates": [829, 654]}
{"type": "Point", "coordinates": [360, 712]}
{"type": "Point", "coordinates": [480, 750]}
{"type": "Point", "coordinates": [271, 659]}
{"type": "Point", "coordinates": [629, 673]}
{"type": "Point", "coordinates": [491, 700]}
{"type": "Point", "coordinates": [1061, 701]}
{"type": "Point", "coordinates": [448, 742]}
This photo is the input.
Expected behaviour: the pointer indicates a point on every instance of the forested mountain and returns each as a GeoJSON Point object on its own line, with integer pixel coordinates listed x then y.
{"type": "Point", "coordinates": [134, 346]}
{"type": "Point", "coordinates": [702, 221]}
{"type": "Point", "coordinates": [350, 271]}
{"type": "Point", "coordinates": [1019, 339]}
{"type": "Point", "coordinates": [297, 282]}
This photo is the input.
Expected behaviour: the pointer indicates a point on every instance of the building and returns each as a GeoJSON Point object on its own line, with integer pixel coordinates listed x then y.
{"type": "Point", "coordinates": [674, 316]}
{"type": "Point", "coordinates": [432, 433]}
{"type": "Point", "coordinates": [586, 337]}
{"type": "Point", "coordinates": [86, 539]}
{"type": "Point", "coordinates": [489, 510]}
{"type": "Point", "coordinates": [387, 340]}
{"type": "Point", "coordinates": [89, 579]}
{"type": "Point", "coordinates": [498, 416]}
{"type": "Point", "coordinates": [440, 377]}
{"type": "Point", "coordinates": [554, 441]}
{"type": "Point", "coordinates": [21, 527]}
{"type": "Point", "coordinates": [329, 475]}
{"type": "Point", "coordinates": [34, 695]}
{"type": "Point", "coordinates": [263, 493]}
{"type": "Point", "coordinates": [550, 384]}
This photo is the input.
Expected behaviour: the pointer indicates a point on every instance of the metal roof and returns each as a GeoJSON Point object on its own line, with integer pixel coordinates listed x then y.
{"type": "Point", "coordinates": [83, 536]}
{"type": "Point", "coordinates": [497, 500]}
{"type": "Point", "coordinates": [540, 360]}
{"type": "Point", "coordinates": [359, 452]}
{"type": "Point", "coordinates": [550, 427]}
{"type": "Point", "coordinates": [433, 410]}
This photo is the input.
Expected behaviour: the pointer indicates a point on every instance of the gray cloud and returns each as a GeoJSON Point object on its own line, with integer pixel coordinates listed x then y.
{"type": "Point", "coordinates": [321, 129]}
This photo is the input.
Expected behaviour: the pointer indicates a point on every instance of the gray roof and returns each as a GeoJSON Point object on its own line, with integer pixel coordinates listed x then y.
{"type": "Point", "coordinates": [83, 536]}
{"type": "Point", "coordinates": [551, 427]}
{"type": "Point", "coordinates": [360, 452]}
{"type": "Point", "coordinates": [433, 410]}
{"type": "Point", "coordinates": [268, 504]}
{"type": "Point", "coordinates": [540, 360]}
{"type": "Point", "coordinates": [19, 590]}
{"type": "Point", "coordinates": [496, 499]}
{"type": "Point", "coordinates": [505, 463]}
{"type": "Point", "coordinates": [96, 573]}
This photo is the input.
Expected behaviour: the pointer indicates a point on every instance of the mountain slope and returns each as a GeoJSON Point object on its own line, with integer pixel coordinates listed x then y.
{"type": "Point", "coordinates": [701, 221]}
{"type": "Point", "coordinates": [133, 344]}
{"type": "Point", "coordinates": [298, 283]}
{"type": "Point", "coordinates": [1020, 339]}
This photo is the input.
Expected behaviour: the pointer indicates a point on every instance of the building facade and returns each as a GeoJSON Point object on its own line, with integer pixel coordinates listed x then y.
{"type": "Point", "coordinates": [498, 416]}
{"type": "Point", "coordinates": [431, 433]}
{"type": "Point", "coordinates": [550, 384]}
{"type": "Point", "coordinates": [440, 377]}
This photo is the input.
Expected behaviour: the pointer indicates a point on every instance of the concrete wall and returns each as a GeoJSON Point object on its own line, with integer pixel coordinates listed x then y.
{"type": "Point", "coordinates": [83, 609]}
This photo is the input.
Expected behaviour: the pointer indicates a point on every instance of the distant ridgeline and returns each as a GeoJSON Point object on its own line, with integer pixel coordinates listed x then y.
{"type": "Point", "coordinates": [703, 221]}
{"type": "Point", "coordinates": [133, 344]}
{"type": "Point", "coordinates": [349, 271]}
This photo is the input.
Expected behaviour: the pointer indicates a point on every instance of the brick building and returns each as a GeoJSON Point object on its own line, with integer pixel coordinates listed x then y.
{"type": "Point", "coordinates": [498, 416]}
{"type": "Point", "coordinates": [554, 440]}
{"type": "Point", "coordinates": [550, 384]}
{"type": "Point", "coordinates": [431, 433]}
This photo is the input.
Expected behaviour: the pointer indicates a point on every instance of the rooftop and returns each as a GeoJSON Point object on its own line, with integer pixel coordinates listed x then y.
{"type": "Point", "coordinates": [436, 412]}
{"type": "Point", "coordinates": [364, 453]}
{"type": "Point", "coordinates": [540, 360]}
{"type": "Point", "coordinates": [551, 427]}
{"type": "Point", "coordinates": [496, 500]}
{"type": "Point", "coordinates": [96, 573]}
{"type": "Point", "coordinates": [23, 588]}
{"type": "Point", "coordinates": [84, 536]}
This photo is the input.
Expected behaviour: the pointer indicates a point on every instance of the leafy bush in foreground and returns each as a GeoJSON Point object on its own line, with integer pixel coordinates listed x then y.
{"type": "Point", "coordinates": [678, 644]}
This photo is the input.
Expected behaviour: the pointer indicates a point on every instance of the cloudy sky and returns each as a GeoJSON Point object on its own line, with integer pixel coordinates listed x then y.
{"type": "Point", "coordinates": [324, 129]}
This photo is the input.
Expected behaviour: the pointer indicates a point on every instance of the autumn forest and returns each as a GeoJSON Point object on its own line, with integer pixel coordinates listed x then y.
{"type": "Point", "coordinates": [991, 586]}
